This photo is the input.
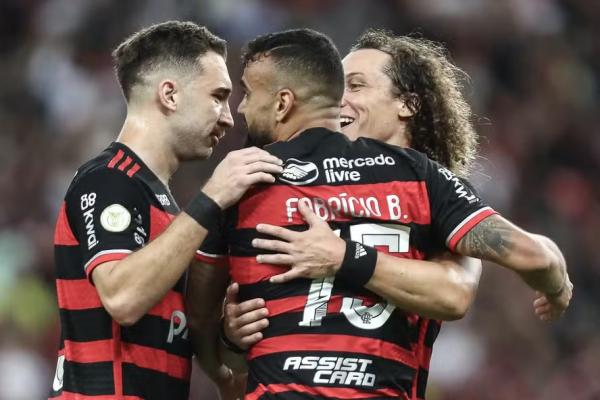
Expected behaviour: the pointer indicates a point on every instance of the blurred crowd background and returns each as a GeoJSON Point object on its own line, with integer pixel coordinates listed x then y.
{"type": "Point", "coordinates": [535, 88]}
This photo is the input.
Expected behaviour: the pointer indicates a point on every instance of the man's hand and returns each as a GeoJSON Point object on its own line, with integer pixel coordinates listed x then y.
{"type": "Point", "coordinates": [244, 321]}
{"type": "Point", "coordinates": [315, 253]}
{"type": "Point", "coordinates": [551, 307]}
{"type": "Point", "coordinates": [238, 172]}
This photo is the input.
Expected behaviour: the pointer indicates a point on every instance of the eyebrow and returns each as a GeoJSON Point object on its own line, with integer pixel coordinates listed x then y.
{"type": "Point", "coordinates": [224, 91]}
{"type": "Point", "coordinates": [244, 86]}
{"type": "Point", "coordinates": [353, 74]}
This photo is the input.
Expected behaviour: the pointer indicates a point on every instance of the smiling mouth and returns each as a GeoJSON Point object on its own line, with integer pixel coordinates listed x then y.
{"type": "Point", "coordinates": [216, 138]}
{"type": "Point", "coordinates": [218, 134]}
{"type": "Point", "coordinates": [345, 120]}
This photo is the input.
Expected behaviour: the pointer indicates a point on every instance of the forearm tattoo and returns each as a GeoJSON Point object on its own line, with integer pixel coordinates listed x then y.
{"type": "Point", "coordinates": [492, 239]}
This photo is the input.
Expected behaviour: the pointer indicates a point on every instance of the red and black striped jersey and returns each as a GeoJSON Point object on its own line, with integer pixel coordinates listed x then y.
{"type": "Point", "coordinates": [114, 206]}
{"type": "Point", "coordinates": [326, 338]}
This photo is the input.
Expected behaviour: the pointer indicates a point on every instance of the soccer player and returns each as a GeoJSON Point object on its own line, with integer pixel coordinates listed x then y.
{"type": "Point", "coordinates": [328, 336]}
{"type": "Point", "coordinates": [403, 91]}
{"type": "Point", "coordinates": [121, 254]}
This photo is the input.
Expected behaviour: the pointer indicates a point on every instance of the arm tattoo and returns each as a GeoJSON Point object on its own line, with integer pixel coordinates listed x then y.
{"type": "Point", "coordinates": [492, 239]}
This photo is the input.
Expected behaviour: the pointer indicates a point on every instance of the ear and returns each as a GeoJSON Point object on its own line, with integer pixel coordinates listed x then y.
{"type": "Point", "coordinates": [168, 94]}
{"type": "Point", "coordinates": [284, 103]}
{"type": "Point", "coordinates": [408, 106]}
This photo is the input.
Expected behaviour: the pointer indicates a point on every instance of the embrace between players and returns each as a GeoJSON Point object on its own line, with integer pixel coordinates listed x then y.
{"type": "Point", "coordinates": [345, 250]}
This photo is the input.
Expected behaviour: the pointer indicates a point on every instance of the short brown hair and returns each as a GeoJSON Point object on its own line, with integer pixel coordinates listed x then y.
{"type": "Point", "coordinates": [168, 44]}
{"type": "Point", "coordinates": [431, 86]}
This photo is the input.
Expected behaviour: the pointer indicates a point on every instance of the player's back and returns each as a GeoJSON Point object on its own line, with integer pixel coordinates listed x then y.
{"type": "Point", "coordinates": [327, 338]}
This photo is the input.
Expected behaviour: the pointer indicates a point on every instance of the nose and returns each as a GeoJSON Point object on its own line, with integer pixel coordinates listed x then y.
{"type": "Point", "coordinates": [240, 108]}
{"type": "Point", "coordinates": [226, 117]}
{"type": "Point", "coordinates": [344, 100]}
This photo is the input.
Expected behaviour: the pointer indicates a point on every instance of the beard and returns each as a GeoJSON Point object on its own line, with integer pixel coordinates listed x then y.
{"type": "Point", "coordinates": [192, 148]}
{"type": "Point", "coordinates": [259, 137]}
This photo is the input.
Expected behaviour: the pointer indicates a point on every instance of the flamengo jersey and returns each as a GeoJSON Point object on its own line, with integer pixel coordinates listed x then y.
{"type": "Point", "coordinates": [326, 338]}
{"type": "Point", "coordinates": [114, 206]}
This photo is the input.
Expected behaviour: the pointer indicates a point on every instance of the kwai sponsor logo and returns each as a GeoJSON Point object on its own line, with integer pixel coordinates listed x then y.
{"type": "Point", "coordinates": [87, 202]}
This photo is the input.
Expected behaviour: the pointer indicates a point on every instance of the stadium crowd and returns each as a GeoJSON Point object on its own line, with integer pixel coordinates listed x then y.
{"type": "Point", "coordinates": [534, 68]}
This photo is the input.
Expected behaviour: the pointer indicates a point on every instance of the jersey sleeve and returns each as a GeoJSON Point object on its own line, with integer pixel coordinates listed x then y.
{"type": "Point", "coordinates": [213, 249]}
{"type": "Point", "coordinates": [455, 206]}
{"type": "Point", "coordinates": [110, 216]}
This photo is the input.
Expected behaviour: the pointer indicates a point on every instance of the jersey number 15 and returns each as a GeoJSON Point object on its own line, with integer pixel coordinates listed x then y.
{"type": "Point", "coordinates": [396, 239]}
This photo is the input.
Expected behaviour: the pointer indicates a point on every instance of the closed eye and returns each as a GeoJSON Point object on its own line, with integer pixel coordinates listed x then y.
{"type": "Point", "coordinates": [222, 94]}
{"type": "Point", "coordinates": [354, 86]}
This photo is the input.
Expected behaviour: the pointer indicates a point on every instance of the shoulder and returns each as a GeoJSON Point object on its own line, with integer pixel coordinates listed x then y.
{"type": "Point", "coordinates": [311, 142]}
{"type": "Point", "coordinates": [403, 157]}
{"type": "Point", "coordinates": [371, 145]}
{"type": "Point", "coordinates": [102, 173]}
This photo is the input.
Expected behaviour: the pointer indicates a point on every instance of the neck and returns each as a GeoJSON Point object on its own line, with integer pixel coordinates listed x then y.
{"type": "Point", "coordinates": [401, 137]}
{"type": "Point", "coordinates": [399, 140]}
{"type": "Point", "coordinates": [146, 137]}
{"type": "Point", "coordinates": [328, 118]}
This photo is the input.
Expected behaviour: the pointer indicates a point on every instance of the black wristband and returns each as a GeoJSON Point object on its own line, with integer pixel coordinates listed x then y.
{"type": "Point", "coordinates": [358, 265]}
{"type": "Point", "coordinates": [229, 345]}
{"type": "Point", "coordinates": [205, 211]}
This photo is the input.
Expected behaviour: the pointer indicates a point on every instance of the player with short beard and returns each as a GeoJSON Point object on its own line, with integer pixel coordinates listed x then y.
{"type": "Point", "coordinates": [543, 268]}
{"type": "Point", "coordinates": [121, 252]}
{"type": "Point", "coordinates": [404, 91]}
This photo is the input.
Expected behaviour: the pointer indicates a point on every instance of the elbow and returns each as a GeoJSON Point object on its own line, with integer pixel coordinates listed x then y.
{"type": "Point", "coordinates": [125, 317]}
{"type": "Point", "coordinates": [457, 300]}
{"type": "Point", "coordinates": [446, 307]}
{"type": "Point", "coordinates": [457, 308]}
{"type": "Point", "coordinates": [126, 320]}
{"type": "Point", "coordinates": [122, 311]}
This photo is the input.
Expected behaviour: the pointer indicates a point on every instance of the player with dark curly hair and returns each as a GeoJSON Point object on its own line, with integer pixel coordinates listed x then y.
{"type": "Point", "coordinates": [348, 310]}
{"type": "Point", "coordinates": [436, 118]}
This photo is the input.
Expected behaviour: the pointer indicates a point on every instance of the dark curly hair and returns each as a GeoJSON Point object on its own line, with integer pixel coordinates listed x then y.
{"type": "Point", "coordinates": [168, 44]}
{"type": "Point", "coordinates": [431, 86]}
